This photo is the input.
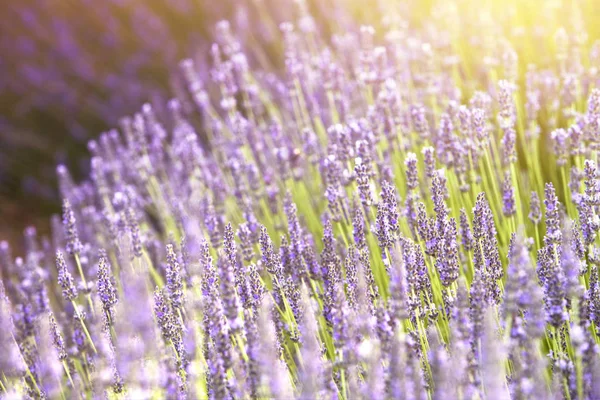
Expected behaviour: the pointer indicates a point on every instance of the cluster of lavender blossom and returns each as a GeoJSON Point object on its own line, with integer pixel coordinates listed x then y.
{"type": "Point", "coordinates": [381, 222]}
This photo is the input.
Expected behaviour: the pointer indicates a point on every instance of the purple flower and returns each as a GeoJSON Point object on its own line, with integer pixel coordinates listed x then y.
{"type": "Point", "coordinates": [553, 279]}
{"type": "Point", "coordinates": [164, 315]}
{"type": "Point", "coordinates": [593, 295]}
{"type": "Point", "coordinates": [477, 305]}
{"type": "Point", "coordinates": [399, 289]}
{"type": "Point", "coordinates": [447, 263]}
{"type": "Point", "coordinates": [429, 158]}
{"type": "Point", "coordinates": [358, 228]}
{"type": "Point", "coordinates": [351, 271]}
{"type": "Point", "coordinates": [363, 182]}
{"type": "Point", "coordinates": [508, 197]}
{"type": "Point", "coordinates": [65, 279]}
{"type": "Point", "coordinates": [412, 173]}
{"type": "Point", "coordinates": [535, 212]}
{"type": "Point", "coordinates": [57, 338]}
{"type": "Point", "coordinates": [521, 291]}
{"type": "Point", "coordinates": [553, 232]}
{"type": "Point", "coordinates": [174, 279]}
{"type": "Point", "coordinates": [213, 224]}
{"type": "Point", "coordinates": [419, 121]}
{"type": "Point", "coordinates": [270, 258]}
{"type": "Point", "coordinates": [134, 231]}
{"type": "Point", "coordinates": [383, 230]}
{"type": "Point", "coordinates": [480, 124]}
{"type": "Point", "coordinates": [334, 199]}
{"type": "Point", "coordinates": [509, 151]}
{"type": "Point", "coordinates": [74, 246]}
{"type": "Point", "coordinates": [508, 113]}
{"type": "Point", "coordinates": [438, 194]}
{"type": "Point", "coordinates": [426, 229]}
{"type": "Point", "coordinates": [106, 289]}
{"type": "Point", "coordinates": [486, 256]}
{"type": "Point", "coordinates": [246, 241]}
{"type": "Point", "coordinates": [465, 231]}
{"type": "Point", "coordinates": [561, 148]}
{"type": "Point", "coordinates": [231, 301]}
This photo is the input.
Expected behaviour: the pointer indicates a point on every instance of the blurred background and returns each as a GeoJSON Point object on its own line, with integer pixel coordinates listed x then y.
{"type": "Point", "coordinates": [70, 69]}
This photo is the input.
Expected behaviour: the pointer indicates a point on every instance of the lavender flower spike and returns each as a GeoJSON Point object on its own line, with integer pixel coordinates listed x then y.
{"type": "Point", "coordinates": [65, 279]}
{"type": "Point", "coordinates": [74, 245]}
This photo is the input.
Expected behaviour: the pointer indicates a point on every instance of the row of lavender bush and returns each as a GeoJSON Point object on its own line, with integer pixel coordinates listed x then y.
{"type": "Point", "coordinates": [403, 215]}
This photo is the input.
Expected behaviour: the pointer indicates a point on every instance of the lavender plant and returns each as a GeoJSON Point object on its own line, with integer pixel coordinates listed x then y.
{"type": "Point", "coordinates": [389, 219]}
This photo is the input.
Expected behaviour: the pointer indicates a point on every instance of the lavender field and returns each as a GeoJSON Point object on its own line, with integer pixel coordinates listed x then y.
{"type": "Point", "coordinates": [396, 200]}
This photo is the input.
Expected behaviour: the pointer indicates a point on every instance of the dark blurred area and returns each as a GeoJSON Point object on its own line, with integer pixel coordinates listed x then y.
{"type": "Point", "coordinates": [70, 69]}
